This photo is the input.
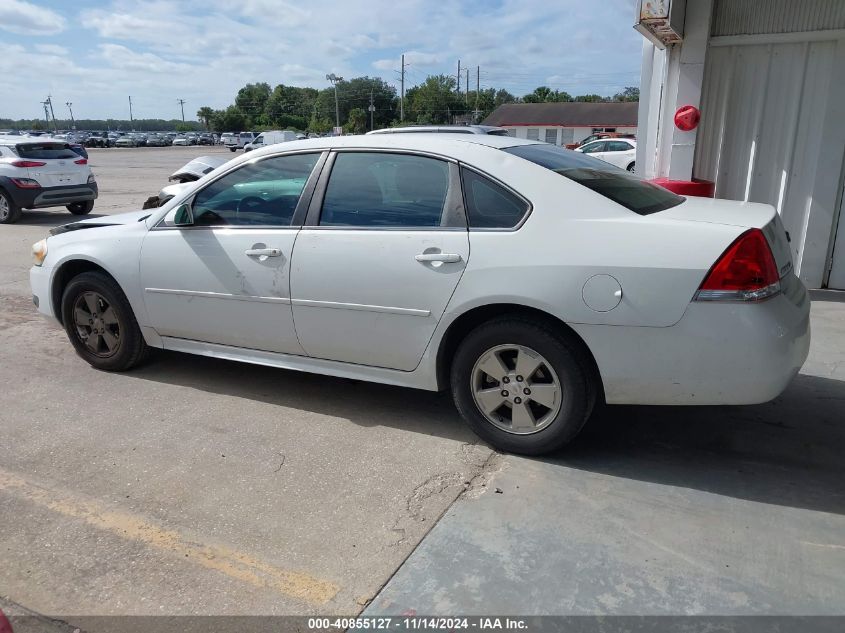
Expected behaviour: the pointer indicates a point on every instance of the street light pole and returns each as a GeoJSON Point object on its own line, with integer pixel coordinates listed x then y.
{"type": "Point", "coordinates": [69, 105]}
{"type": "Point", "coordinates": [334, 79]}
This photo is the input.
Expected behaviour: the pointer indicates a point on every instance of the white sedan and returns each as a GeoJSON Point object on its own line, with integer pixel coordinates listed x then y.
{"type": "Point", "coordinates": [531, 280]}
{"type": "Point", "coordinates": [621, 152]}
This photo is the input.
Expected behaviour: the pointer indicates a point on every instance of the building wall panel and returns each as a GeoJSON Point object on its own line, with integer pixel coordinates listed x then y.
{"type": "Point", "coordinates": [757, 17]}
{"type": "Point", "coordinates": [763, 137]}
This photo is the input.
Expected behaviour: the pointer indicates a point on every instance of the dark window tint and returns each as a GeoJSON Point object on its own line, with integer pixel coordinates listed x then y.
{"type": "Point", "coordinates": [258, 194]}
{"type": "Point", "coordinates": [45, 150]}
{"type": "Point", "coordinates": [499, 133]}
{"type": "Point", "coordinates": [616, 184]}
{"type": "Point", "coordinates": [618, 146]}
{"type": "Point", "coordinates": [384, 190]}
{"type": "Point", "coordinates": [592, 148]}
{"type": "Point", "coordinates": [489, 205]}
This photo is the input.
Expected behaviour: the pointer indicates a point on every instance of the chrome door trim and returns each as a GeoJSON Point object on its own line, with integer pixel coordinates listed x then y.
{"type": "Point", "coordinates": [308, 303]}
{"type": "Point", "coordinates": [218, 295]}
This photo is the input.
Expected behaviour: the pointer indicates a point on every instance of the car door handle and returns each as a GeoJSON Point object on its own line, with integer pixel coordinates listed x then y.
{"type": "Point", "coordinates": [446, 258]}
{"type": "Point", "coordinates": [263, 252]}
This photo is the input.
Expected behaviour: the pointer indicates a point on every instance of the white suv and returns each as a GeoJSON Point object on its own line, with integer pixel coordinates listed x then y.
{"type": "Point", "coordinates": [41, 172]}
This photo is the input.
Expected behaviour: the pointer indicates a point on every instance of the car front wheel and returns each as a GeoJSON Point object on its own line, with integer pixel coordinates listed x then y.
{"type": "Point", "coordinates": [100, 323]}
{"type": "Point", "coordinates": [9, 211]}
{"type": "Point", "coordinates": [521, 386]}
{"type": "Point", "coordinates": [81, 208]}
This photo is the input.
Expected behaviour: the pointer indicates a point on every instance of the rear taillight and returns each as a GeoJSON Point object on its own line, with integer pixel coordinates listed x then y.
{"type": "Point", "coordinates": [81, 161]}
{"type": "Point", "coordinates": [28, 163]}
{"type": "Point", "coordinates": [746, 271]}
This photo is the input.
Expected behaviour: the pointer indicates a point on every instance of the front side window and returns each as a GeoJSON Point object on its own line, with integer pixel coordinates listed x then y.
{"type": "Point", "coordinates": [618, 185]}
{"type": "Point", "coordinates": [489, 205]}
{"type": "Point", "coordinates": [370, 189]}
{"type": "Point", "coordinates": [264, 193]}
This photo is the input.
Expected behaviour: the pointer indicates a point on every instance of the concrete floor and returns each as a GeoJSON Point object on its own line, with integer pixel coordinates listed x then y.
{"type": "Point", "coordinates": [197, 486]}
{"type": "Point", "coordinates": [660, 511]}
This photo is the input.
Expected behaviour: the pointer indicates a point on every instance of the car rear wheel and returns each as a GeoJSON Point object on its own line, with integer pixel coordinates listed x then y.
{"type": "Point", "coordinates": [100, 323]}
{"type": "Point", "coordinates": [9, 211]}
{"type": "Point", "coordinates": [521, 386]}
{"type": "Point", "coordinates": [631, 167]}
{"type": "Point", "coordinates": [81, 208]}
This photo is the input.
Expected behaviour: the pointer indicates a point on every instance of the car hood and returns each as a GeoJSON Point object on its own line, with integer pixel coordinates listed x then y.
{"type": "Point", "coordinates": [106, 220]}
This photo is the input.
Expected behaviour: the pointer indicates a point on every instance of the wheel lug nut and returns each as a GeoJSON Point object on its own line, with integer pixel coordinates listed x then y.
{"type": "Point", "coordinates": [526, 391]}
{"type": "Point", "coordinates": [506, 380]}
{"type": "Point", "coordinates": [518, 400]}
{"type": "Point", "coordinates": [519, 378]}
{"type": "Point", "coordinates": [504, 394]}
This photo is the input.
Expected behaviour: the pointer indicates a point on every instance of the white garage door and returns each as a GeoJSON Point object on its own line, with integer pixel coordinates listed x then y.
{"type": "Point", "coordinates": [773, 131]}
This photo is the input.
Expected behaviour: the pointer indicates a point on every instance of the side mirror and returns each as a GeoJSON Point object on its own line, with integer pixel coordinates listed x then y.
{"type": "Point", "coordinates": [182, 215]}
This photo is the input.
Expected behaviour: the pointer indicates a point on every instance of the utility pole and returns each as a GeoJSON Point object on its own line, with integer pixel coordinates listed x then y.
{"type": "Point", "coordinates": [182, 105]}
{"type": "Point", "coordinates": [459, 77]}
{"type": "Point", "coordinates": [69, 105]}
{"type": "Point", "coordinates": [52, 114]}
{"type": "Point", "coordinates": [334, 79]}
{"type": "Point", "coordinates": [466, 89]}
{"type": "Point", "coordinates": [372, 110]}
{"type": "Point", "coordinates": [477, 91]}
{"type": "Point", "coordinates": [131, 120]}
{"type": "Point", "coordinates": [402, 93]}
{"type": "Point", "coordinates": [46, 114]}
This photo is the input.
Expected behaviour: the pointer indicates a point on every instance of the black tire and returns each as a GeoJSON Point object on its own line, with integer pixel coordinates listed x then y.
{"type": "Point", "coordinates": [578, 384]}
{"type": "Point", "coordinates": [233, 149]}
{"type": "Point", "coordinates": [131, 348]}
{"type": "Point", "coordinates": [81, 208]}
{"type": "Point", "coordinates": [9, 211]}
{"type": "Point", "coordinates": [631, 167]}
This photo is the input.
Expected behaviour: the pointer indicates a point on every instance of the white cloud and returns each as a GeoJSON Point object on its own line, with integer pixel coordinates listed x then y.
{"type": "Point", "coordinates": [51, 49]}
{"type": "Point", "coordinates": [23, 17]}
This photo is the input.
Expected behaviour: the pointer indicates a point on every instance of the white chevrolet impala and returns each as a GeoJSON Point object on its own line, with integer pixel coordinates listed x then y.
{"type": "Point", "coordinates": [530, 280]}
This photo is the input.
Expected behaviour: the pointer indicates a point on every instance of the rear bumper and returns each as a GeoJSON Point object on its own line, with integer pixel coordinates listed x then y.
{"type": "Point", "coordinates": [52, 196]}
{"type": "Point", "coordinates": [718, 353]}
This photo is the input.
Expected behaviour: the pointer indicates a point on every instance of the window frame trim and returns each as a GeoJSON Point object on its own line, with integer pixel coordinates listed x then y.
{"type": "Point", "coordinates": [299, 212]}
{"type": "Point", "coordinates": [504, 186]}
{"type": "Point", "coordinates": [454, 195]}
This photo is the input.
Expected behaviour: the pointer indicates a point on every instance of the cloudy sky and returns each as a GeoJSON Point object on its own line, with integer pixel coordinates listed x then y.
{"type": "Point", "coordinates": [95, 53]}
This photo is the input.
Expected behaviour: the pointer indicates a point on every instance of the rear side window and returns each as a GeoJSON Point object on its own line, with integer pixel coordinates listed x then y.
{"type": "Point", "coordinates": [489, 205]}
{"type": "Point", "coordinates": [618, 146]}
{"type": "Point", "coordinates": [45, 150]}
{"type": "Point", "coordinates": [373, 189]}
{"type": "Point", "coordinates": [613, 183]}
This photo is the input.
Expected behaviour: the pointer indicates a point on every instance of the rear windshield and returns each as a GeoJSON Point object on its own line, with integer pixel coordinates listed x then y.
{"type": "Point", "coordinates": [614, 183]}
{"type": "Point", "coordinates": [45, 150]}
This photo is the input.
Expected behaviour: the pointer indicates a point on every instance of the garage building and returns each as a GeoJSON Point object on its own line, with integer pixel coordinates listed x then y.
{"type": "Point", "coordinates": [563, 123]}
{"type": "Point", "coordinates": [769, 80]}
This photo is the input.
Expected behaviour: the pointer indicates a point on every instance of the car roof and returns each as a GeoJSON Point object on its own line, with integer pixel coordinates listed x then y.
{"type": "Point", "coordinates": [435, 143]}
{"type": "Point", "coordinates": [442, 129]}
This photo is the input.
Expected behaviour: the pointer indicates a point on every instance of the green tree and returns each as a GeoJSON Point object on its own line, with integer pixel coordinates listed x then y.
{"type": "Point", "coordinates": [320, 125]}
{"type": "Point", "coordinates": [204, 114]}
{"type": "Point", "coordinates": [37, 124]}
{"type": "Point", "coordinates": [630, 93]}
{"type": "Point", "coordinates": [289, 106]}
{"type": "Point", "coordinates": [251, 100]}
{"type": "Point", "coordinates": [232, 119]}
{"type": "Point", "coordinates": [434, 100]}
{"type": "Point", "coordinates": [356, 123]}
{"type": "Point", "coordinates": [591, 98]}
{"type": "Point", "coordinates": [544, 94]}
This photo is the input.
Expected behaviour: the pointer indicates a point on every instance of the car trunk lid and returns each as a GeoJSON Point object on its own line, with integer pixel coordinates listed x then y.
{"type": "Point", "coordinates": [741, 214]}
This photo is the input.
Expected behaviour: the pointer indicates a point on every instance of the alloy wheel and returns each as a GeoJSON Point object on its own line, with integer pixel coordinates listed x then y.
{"type": "Point", "coordinates": [516, 389]}
{"type": "Point", "coordinates": [96, 324]}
